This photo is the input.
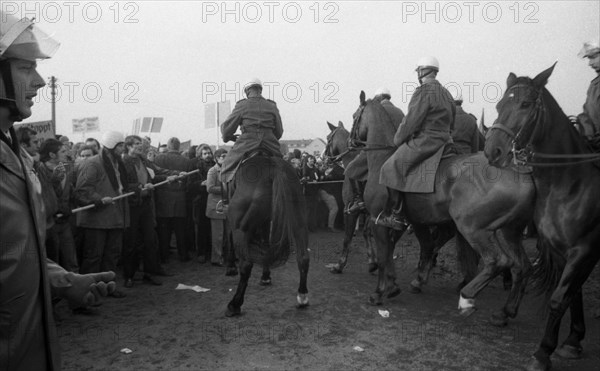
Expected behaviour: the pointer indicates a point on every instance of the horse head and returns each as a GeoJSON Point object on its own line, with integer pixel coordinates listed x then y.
{"type": "Point", "coordinates": [521, 113]}
{"type": "Point", "coordinates": [371, 114]}
{"type": "Point", "coordinates": [337, 140]}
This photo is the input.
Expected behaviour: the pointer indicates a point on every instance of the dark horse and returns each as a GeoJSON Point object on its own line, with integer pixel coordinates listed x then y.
{"type": "Point", "coordinates": [532, 128]}
{"type": "Point", "coordinates": [267, 215]}
{"type": "Point", "coordinates": [337, 150]}
{"type": "Point", "coordinates": [488, 208]}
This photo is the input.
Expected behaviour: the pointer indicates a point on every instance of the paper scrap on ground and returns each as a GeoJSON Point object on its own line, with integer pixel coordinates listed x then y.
{"type": "Point", "coordinates": [330, 265]}
{"type": "Point", "coordinates": [358, 349]}
{"type": "Point", "coordinates": [196, 288]}
{"type": "Point", "coordinates": [126, 351]}
{"type": "Point", "coordinates": [384, 313]}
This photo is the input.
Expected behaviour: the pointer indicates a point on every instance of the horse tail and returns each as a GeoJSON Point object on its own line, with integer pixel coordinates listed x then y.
{"type": "Point", "coordinates": [288, 215]}
{"type": "Point", "coordinates": [547, 269]}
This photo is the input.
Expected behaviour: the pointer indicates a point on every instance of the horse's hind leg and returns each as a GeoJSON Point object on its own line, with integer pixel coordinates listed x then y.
{"type": "Point", "coordinates": [571, 348]}
{"type": "Point", "coordinates": [349, 225]}
{"type": "Point", "coordinates": [303, 260]}
{"type": "Point", "coordinates": [386, 282]}
{"type": "Point", "coordinates": [234, 307]}
{"type": "Point", "coordinates": [519, 270]}
{"type": "Point", "coordinates": [368, 236]}
{"type": "Point", "coordinates": [265, 279]}
{"type": "Point", "coordinates": [426, 245]}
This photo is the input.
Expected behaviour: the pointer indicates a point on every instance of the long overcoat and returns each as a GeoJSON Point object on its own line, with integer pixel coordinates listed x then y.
{"type": "Point", "coordinates": [357, 169]}
{"type": "Point", "coordinates": [260, 123]}
{"type": "Point", "coordinates": [421, 139]}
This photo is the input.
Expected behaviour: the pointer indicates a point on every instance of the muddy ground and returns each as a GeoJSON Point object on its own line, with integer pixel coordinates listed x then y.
{"type": "Point", "coordinates": [168, 329]}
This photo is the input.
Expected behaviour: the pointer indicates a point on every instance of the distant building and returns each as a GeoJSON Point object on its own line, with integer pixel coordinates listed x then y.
{"type": "Point", "coordinates": [311, 146]}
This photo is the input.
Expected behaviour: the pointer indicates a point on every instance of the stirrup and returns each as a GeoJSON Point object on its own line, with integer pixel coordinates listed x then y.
{"type": "Point", "coordinates": [390, 221]}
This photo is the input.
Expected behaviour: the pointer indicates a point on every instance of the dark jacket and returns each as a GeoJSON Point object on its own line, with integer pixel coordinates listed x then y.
{"type": "Point", "coordinates": [465, 134]}
{"type": "Point", "coordinates": [171, 198]}
{"type": "Point", "coordinates": [258, 119]}
{"type": "Point", "coordinates": [134, 185]}
{"type": "Point", "coordinates": [422, 136]}
{"type": "Point", "coordinates": [28, 339]}
{"type": "Point", "coordinates": [98, 179]}
{"type": "Point", "coordinates": [590, 118]}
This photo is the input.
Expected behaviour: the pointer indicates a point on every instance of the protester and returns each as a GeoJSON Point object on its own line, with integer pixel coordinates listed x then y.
{"type": "Point", "coordinates": [217, 220]}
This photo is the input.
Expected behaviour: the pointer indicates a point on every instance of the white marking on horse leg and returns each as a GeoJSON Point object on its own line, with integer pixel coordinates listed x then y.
{"type": "Point", "coordinates": [465, 303]}
{"type": "Point", "coordinates": [302, 299]}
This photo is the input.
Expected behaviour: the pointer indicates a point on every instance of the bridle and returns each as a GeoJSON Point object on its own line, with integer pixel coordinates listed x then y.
{"type": "Point", "coordinates": [364, 145]}
{"type": "Point", "coordinates": [524, 155]}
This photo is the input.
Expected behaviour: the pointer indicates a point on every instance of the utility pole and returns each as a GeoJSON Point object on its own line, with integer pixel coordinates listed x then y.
{"type": "Point", "coordinates": [53, 101]}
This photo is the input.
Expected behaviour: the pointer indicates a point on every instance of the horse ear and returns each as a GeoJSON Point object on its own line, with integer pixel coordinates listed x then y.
{"type": "Point", "coordinates": [511, 80]}
{"type": "Point", "coordinates": [542, 79]}
{"type": "Point", "coordinates": [340, 124]}
{"type": "Point", "coordinates": [362, 97]}
{"type": "Point", "coordinates": [331, 127]}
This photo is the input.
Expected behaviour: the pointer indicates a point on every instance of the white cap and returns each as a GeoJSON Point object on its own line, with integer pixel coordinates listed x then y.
{"type": "Point", "coordinates": [382, 90]}
{"type": "Point", "coordinates": [428, 62]}
{"type": "Point", "coordinates": [111, 139]}
{"type": "Point", "coordinates": [589, 50]}
{"type": "Point", "coordinates": [252, 82]}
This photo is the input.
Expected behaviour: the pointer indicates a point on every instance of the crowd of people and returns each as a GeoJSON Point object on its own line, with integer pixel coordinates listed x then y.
{"type": "Point", "coordinates": [142, 227]}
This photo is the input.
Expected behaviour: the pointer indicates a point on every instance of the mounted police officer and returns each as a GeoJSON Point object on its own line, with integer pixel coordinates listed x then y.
{"type": "Point", "coordinates": [465, 133]}
{"type": "Point", "coordinates": [590, 118]}
{"type": "Point", "coordinates": [357, 169]}
{"type": "Point", "coordinates": [421, 138]}
{"type": "Point", "coordinates": [260, 123]}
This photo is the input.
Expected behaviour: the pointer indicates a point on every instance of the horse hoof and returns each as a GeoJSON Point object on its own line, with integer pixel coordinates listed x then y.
{"type": "Point", "coordinates": [375, 299]}
{"type": "Point", "coordinates": [265, 282]}
{"type": "Point", "coordinates": [537, 365]}
{"type": "Point", "coordinates": [499, 319]}
{"type": "Point", "coordinates": [232, 311]}
{"type": "Point", "coordinates": [336, 269]}
{"type": "Point", "coordinates": [394, 292]}
{"type": "Point", "coordinates": [302, 301]}
{"type": "Point", "coordinates": [372, 267]}
{"type": "Point", "coordinates": [569, 352]}
{"type": "Point", "coordinates": [466, 312]}
{"type": "Point", "coordinates": [415, 287]}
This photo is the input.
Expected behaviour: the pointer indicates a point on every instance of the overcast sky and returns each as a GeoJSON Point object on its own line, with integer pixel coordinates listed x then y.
{"type": "Point", "coordinates": [123, 60]}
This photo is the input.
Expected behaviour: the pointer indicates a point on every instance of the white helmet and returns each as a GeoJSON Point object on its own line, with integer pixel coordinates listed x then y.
{"type": "Point", "coordinates": [383, 91]}
{"type": "Point", "coordinates": [428, 62]}
{"type": "Point", "coordinates": [589, 50]}
{"type": "Point", "coordinates": [252, 82]}
{"type": "Point", "coordinates": [21, 39]}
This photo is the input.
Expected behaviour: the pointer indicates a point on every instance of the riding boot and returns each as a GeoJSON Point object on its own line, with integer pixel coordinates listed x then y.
{"type": "Point", "coordinates": [358, 204]}
{"type": "Point", "coordinates": [393, 218]}
{"type": "Point", "coordinates": [223, 205]}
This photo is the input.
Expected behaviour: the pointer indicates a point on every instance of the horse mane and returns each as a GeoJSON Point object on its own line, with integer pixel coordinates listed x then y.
{"type": "Point", "coordinates": [558, 117]}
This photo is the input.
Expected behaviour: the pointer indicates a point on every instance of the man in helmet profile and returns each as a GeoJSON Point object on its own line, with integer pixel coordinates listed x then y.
{"type": "Point", "coordinates": [357, 169]}
{"type": "Point", "coordinates": [28, 281]}
{"type": "Point", "coordinates": [259, 121]}
{"type": "Point", "coordinates": [421, 138]}
{"type": "Point", "coordinates": [590, 118]}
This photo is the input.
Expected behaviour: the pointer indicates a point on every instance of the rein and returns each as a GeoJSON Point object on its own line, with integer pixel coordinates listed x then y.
{"type": "Point", "coordinates": [525, 156]}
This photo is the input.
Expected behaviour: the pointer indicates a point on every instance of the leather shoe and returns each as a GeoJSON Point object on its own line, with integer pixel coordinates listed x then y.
{"type": "Point", "coordinates": [151, 280]}
{"type": "Point", "coordinates": [128, 283]}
